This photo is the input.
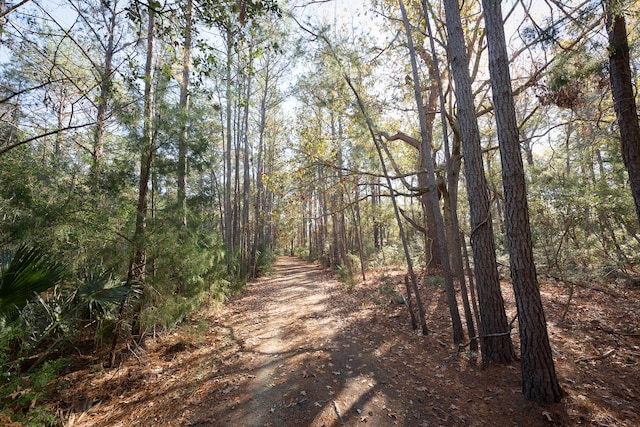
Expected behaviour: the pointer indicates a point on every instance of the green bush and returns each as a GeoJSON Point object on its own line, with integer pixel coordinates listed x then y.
{"type": "Point", "coordinates": [23, 391]}
{"type": "Point", "coordinates": [345, 275]}
{"type": "Point", "coordinates": [434, 281]}
{"type": "Point", "coordinates": [264, 262]}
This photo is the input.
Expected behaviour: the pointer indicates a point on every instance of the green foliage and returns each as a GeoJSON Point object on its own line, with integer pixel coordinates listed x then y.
{"type": "Point", "coordinates": [434, 281]}
{"type": "Point", "coordinates": [264, 262]}
{"type": "Point", "coordinates": [58, 193]}
{"type": "Point", "coordinates": [348, 270]}
{"type": "Point", "coordinates": [302, 252]}
{"type": "Point", "coordinates": [100, 293]}
{"type": "Point", "coordinates": [187, 269]}
{"type": "Point", "coordinates": [169, 312]}
{"type": "Point", "coordinates": [24, 391]}
{"type": "Point", "coordinates": [345, 275]}
{"type": "Point", "coordinates": [583, 223]}
{"type": "Point", "coordinates": [25, 273]}
{"type": "Point", "coordinates": [572, 78]}
{"type": "Point", "coordinates": [56, 209]}
{"type": "Point", "coordinates": [385, 292]}
{"type": "Point", "coordinates": [389, 255]}
{"type": "Point", "coordinates": [24, 395]}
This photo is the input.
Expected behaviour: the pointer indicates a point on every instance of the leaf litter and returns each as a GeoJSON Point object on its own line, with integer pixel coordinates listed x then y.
{"type": "Point", "coordinates": [298, 348]}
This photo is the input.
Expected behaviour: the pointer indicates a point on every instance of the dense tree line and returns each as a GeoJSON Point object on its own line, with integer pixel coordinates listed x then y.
{"type": "Point", "coordinates": [541, 98]}
{"type": "Point", "coordinates": [156, 155]}
{"type": "Point", "coordinates": [136, 142]}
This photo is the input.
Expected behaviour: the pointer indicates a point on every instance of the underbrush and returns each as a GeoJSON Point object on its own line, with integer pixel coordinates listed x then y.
{"type": "Point", "coordinates": [97, 314]}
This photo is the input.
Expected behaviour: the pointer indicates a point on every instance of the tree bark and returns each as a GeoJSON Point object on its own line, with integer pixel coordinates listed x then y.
{"type": "Point", "coordinates": [106, 80]}
{"type": "Point", "coordinates": [496, 342]}
{"type": "Point", "coordinates": [137, 268]}
{"type": "Point", "coordinates": [184, 113]}
{"type": "Point", "coordinates": [458, 334]}
{"type": "Point", "coordinates": [405, 246]}
{"type": "Point", "coordinates": [245, 226]}
{"type": "Point", "coordinates": [228, 212]}
{"type": "Point", "coordinates": [259, 203]}
{"type": "Point", "coordinates": [452, 163]}
{"type": "Point", "coordinates": [623, 95]}
{"type": "Point", "coordinates": [539, 380]}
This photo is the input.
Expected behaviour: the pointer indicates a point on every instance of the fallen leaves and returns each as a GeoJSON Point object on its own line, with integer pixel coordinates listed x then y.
{"type": "Point", "coordinates": [329, 353]}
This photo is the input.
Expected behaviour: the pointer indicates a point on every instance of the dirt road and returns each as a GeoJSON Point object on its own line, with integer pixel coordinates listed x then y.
{"type": "Point", "coordinates": [297, 349]}
{"type": "Point", "coordinates": [287, 352]}
{"type": "Point", "coordinates": [309, 368]}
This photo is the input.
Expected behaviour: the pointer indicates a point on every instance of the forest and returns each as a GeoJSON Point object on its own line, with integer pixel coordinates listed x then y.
{"type": "Point", "coordinates": [159, 157]}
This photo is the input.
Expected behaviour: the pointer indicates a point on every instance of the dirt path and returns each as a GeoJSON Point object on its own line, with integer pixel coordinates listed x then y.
{"type": "Point", "coordinates": [308, 369]}
{"type": "Point", "coordinates": [297, 349]}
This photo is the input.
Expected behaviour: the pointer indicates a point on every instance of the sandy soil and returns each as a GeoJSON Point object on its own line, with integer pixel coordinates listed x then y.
{"type": "Point", "coordinates": [298, 349]}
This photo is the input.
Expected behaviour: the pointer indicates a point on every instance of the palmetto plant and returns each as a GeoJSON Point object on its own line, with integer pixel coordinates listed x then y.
{"type": "Point", "coordinates": [100, 292]}
{"type": "Point", "coordinates": [24, 274]}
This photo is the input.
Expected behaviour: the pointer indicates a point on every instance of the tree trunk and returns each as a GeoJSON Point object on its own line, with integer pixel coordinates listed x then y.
{"type": "Point", "coordinates": [269, 235]}
{"type": "Point", "coordinates": [184, 113]}
{"type": "Point", "coordinates": [259, 204]}
{"type": "Point", "coordinates": [458, 334]}
{"type": "Point", "coordinates": [342, 227]}
{"type": "Point", "coordinates": [539, 380]}
{"type": "Point", "coordinates": [432, 235]}
{"type": "Point", "coordinates": [104, 97]}
{"type": "Point", "coordinates": [396, 211]}
{"type": "Point", "coordinates": [623, 95]}
{"type": "Point", "coordinates": [472, 287]}
{"type": "Point", "coordinates": [322, 218]}
{"type": "Point", "coordinates": [137, 268]}
{"type": "Point", "coordinates": [496, 342]}
{"type": "Point", "coordinates": [228, 212]}
{"type": "Point", "coordinates": [357, 225]}
{"type": "Point", "coordinates": [246, 176]}
{"type": "Point", "coordinates": [3, 20]}
{"type": "Point", "coordinates": [452, 164]}
{"type": "Point", "coordinates": [237, 137]}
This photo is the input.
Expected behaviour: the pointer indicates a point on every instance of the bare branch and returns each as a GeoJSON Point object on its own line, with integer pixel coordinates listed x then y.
{"type": "Point", "coordinates": [44, 135]}
{"type": "Point", "coordinates": [12, 8]}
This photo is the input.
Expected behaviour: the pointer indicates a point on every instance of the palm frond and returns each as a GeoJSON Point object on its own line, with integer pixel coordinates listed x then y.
{"type": "Point", "coordinates": [100, 292]}
{"type": "Point", "coordinates": [28, 272]}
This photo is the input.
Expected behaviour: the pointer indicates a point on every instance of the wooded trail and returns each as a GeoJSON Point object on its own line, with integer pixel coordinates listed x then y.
{"type": "Point", "coordinates": [308, 367]}
{"type": "Point", "coordinates": [299, 349]}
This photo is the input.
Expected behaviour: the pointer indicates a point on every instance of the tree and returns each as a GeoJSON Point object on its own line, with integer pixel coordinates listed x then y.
{"type": "Point", "coordinates": [97, 19]}
{"type": "Point", "coordinates": [452, 164]}
{"type": "Point", "coordinates": [539, 380]}
{"type": "Point", "coordinates": [184, 110]}
{"type": "Point", "coordinates": [623, 94]}
{"type": "Point", "coordinates": [496, 340]}
{"type": "Point", "coordinates": [4, 11]}
{"type": "Point", "coordinates": [137, 267]}
{"type": "Point", "coordinates": [425, 136]}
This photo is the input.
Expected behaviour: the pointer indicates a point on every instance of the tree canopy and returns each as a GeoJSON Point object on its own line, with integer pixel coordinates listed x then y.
{"type": "Point", "coordinates": [162, 154]}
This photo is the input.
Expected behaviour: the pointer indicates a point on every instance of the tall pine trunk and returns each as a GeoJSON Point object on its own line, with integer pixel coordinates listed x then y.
{"type": "Point", "coordinates": [246, 177]}
{"type": "Point", "coordinates": [458, 335]}
{"type": "Point", "coordinates": [623, 95]}
{"type": "Point", "coordinates": [452, 163]}
{"type": "Point", "coordinates": [496, 340]}
{"type": "Point", "coordinates": [259, 202]}
{"type": "Point", "coordinates": [539, 380]}
{"type": "Point", "coordinates": [137, 267]}
{"type": "Point", "coordinates": [106, 79]}
{"type": "Point", "coordinates": [228, 212]}
{"type": "Point", "coordinates": [184, 113]}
